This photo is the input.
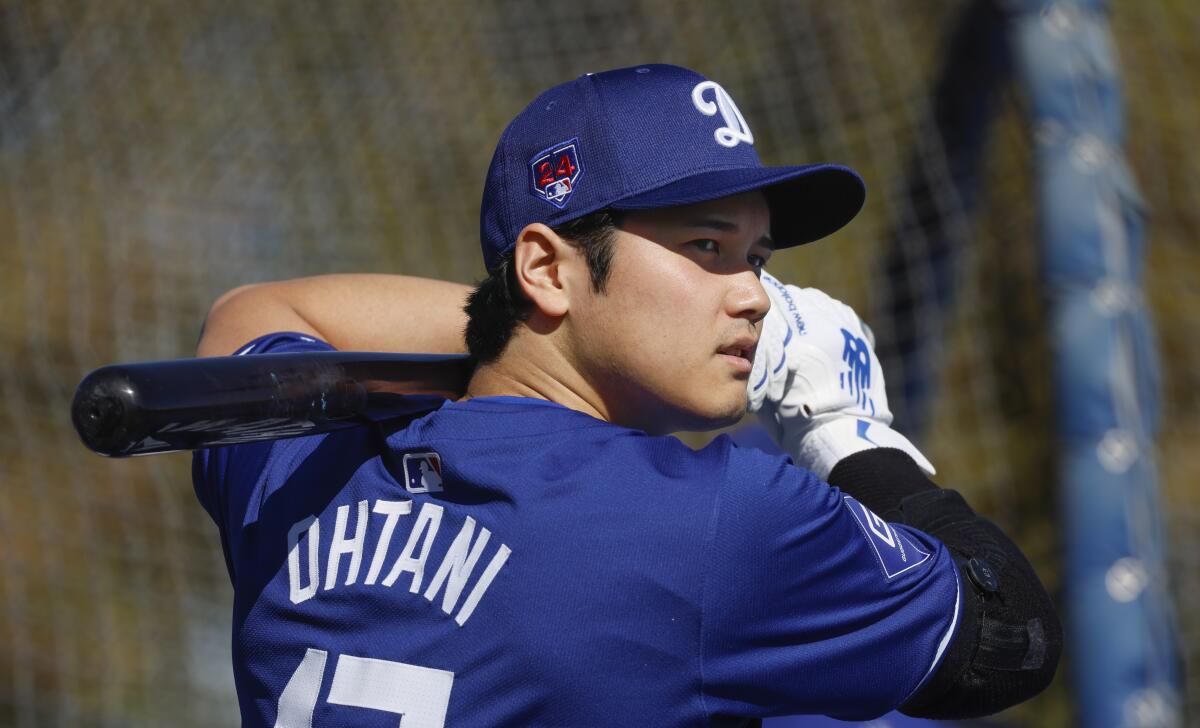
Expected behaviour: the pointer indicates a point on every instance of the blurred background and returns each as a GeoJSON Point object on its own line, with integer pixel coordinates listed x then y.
{"type": "Point", "coordinates": [1027, 257]}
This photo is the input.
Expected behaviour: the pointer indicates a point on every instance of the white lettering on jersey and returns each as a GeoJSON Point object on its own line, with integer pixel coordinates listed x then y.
{"type": "Point", "coordinates": [342, 545]}
{"type": "Point", "coordinates": [427, 524]}
{"type": "Point", "coordinates": [735, 130]}
{"type": "Point", "coordinates": [453, 577]}
{"type": "Point", "coordinates": [420, 694]}
{"type": "Point", "coordinates": [493, 568]}
{"type": "Point", "coordinates": [299, 697]}
{"type": "Point", "coordinates": [457, 565]}
{"type": "Point", "coordinates": [312, 527]}
{"type": "Point", "coordinates": [393, 510]}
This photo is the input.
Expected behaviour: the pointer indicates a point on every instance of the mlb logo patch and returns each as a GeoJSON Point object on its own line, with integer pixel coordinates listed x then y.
{"type": "Point", "coordinates": [423, 472]}
{"type": "Point", "coordinates": [556, 171]}
{"type": "Point", "coordinates": [896, 552]}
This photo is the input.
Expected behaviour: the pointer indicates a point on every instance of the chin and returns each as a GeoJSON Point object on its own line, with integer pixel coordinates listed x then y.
{"type": "Point", "coordinates": [692, 409]}
{"type": "Point", "coordinates": [714, 417]}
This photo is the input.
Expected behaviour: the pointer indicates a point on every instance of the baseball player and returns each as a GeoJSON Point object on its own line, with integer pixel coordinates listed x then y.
{"type": "Point", "coordinates": [542, 552]}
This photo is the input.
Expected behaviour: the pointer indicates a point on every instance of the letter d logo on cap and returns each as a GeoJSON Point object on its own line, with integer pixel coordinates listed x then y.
{"type": "Point", "coordinates": [735, 130]}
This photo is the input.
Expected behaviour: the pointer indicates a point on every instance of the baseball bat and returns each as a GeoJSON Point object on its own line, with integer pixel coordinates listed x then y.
{"type": "Point", "coordinates": [185, 404]}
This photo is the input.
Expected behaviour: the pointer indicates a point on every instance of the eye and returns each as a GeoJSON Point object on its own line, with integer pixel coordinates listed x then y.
{"type": "Point", "coordinates": [758, 261]}
{"type": "Point", "coordinates": [707, 245]}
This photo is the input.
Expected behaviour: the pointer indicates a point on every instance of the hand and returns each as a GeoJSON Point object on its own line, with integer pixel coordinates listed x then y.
{"type": "Point", "coordinates": [816, 382]}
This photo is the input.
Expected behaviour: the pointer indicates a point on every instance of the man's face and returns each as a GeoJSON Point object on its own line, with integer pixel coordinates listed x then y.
{"type": "Point", "coordinates": [669, 344]}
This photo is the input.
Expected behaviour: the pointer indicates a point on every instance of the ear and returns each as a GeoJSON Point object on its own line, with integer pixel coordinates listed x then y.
{"type": "Point", "coordinates": [547, 268]}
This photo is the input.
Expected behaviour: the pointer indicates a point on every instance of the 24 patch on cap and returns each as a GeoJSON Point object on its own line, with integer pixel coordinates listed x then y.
{"type": "Point", "coordinates": [556, 171]}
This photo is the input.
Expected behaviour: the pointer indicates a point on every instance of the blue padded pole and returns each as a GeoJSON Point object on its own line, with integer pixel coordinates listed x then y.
{"type": "Point", "coordinates": [1120, 634]}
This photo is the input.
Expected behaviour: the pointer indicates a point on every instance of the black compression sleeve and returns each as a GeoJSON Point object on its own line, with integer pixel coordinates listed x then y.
{"type": "Point", "coordinates": [1009, 637]}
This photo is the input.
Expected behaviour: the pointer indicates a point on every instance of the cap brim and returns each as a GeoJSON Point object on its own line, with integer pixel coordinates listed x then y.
{"type": "Point", "coordinates": [807, 203]}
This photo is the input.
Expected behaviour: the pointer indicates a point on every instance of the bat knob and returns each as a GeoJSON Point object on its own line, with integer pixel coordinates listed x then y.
{"type": "Point", "coordinates": [101, 411]}
{"type": "Point", "coordinates": [100, 414]}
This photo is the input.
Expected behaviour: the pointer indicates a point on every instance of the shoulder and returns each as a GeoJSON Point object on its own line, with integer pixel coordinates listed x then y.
{"type": "Point", "coordinates": [278, 342]}
{"type": "Point", "coordinates": [833, 590]}
{"type": "Point", "coordinates": [282, 341]}
{"type": "Point", "coordinates": [225, 478]}
{"type": "Point", "coordinates": [533, 431]}
{"type": "Point", "coordinates": [755, 480]}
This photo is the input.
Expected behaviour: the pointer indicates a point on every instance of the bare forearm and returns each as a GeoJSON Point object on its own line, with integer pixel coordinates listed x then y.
{"type": "Point", "coordinates": [363, 312]}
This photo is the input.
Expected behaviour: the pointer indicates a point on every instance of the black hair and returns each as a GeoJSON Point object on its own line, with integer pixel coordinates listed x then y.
{"type": "Point", "coordinates": [497, 304]}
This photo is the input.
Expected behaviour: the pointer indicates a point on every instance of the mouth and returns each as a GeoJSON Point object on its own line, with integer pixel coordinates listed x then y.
{"type": "Point", "coordinates": [739, 353]}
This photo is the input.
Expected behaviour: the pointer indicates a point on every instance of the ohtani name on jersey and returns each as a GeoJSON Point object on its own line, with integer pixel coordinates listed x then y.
{"type": "Point", "coordinates": [344, 555]}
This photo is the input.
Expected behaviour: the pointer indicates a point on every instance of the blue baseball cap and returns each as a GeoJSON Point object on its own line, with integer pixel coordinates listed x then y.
{"type": "Point", "coordinates": [645, 137]}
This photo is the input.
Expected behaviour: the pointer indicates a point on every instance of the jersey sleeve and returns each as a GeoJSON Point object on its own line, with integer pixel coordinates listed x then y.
{"type": "Point", "coordinates": [216, 469]}
{"type": "Point", "coordinates": [812, 604]}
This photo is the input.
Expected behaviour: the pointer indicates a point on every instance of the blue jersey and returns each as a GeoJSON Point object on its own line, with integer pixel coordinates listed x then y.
{"type": "Point", "coordinates": [504, 561]}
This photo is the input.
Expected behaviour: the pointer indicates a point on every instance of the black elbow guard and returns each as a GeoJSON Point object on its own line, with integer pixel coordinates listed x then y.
{"type": "Point", "coordinates": [1009, 638]}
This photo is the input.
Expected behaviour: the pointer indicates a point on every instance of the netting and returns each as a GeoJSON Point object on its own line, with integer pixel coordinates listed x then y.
{"type": "Point", "coordinates": [155, 154]}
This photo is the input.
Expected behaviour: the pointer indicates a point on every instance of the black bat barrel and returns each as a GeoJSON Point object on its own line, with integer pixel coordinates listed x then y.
{"type": "Point", "coordinates": [185, 404]}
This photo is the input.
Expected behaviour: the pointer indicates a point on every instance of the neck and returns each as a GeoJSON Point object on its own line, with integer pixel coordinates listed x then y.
{"type": "Point", "coordinates": [541, 374]}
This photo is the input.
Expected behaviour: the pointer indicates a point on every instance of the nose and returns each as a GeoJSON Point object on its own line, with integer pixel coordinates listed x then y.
{"type": "Point", "coordinates": [748, 299]}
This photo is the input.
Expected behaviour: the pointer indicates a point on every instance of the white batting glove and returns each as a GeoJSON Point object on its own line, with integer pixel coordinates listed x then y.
{"type": "Point", "coordinates": [816, 383]}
